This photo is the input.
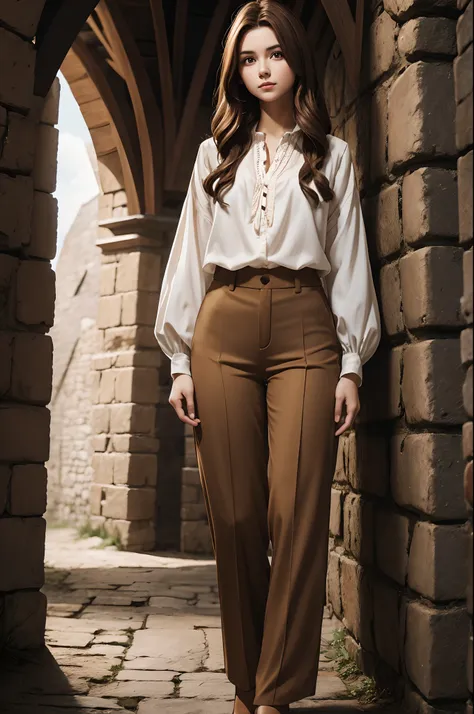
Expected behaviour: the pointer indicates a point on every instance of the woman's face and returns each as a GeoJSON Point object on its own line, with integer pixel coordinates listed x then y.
{"type": "Point", "coordinates": [261, 60]}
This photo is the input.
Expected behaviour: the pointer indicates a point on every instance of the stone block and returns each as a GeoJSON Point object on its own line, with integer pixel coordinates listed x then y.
{"type": "Point", "coordinates": [5, 476]}
{"type": "Point", "coordinates": [108, 272]}
{"type": "Point", "coordinates": [464, 29]}
{"type": "Point", "coordinates": [128, 337]}
{"type": "Point", "coordinates": [16, 205]}
{"type": "Point", "coordinates": [137, 384]}
{"type": "Point", "coordinates": [132, 418]}
{"type": "Point", "coordinates": [466, 347]}
{"type": "Point", "coordinates": [468, 484]}
{"type": "Point", "coordinates": [28, 490]}
{"type": "Point", "coordinates": [392, 533]}
{"type": "Point", "coordinates": [425, 474]}
{"type": "Point", "coordinates": [96, 499]}
{"type": "Point", "coordinates": [139, 308]}
{"type": "Point", "coordinates": [427, 36]}
{"type": "Point", "coordinates": [135, 469]}
{"type": "Point", "coordinates": [23, 16]}
{"type": "Point", "coordinates": [110, 307]}
{"type": "Point", "coordinates": [190, 476]}
{"type": "Point", "coordinates": [335, 520]}
{"type": "Point", "coordinates": [383, 221]}
{"type": "Point", "coordinates": [465, 173]}
{"type": "Point", "coordinates": [103, 466]}
{"type": "Point", "coordinates": [431, 281]}
{"type": "Point", "coordinates": [371, 476]}
{"type": "Point", "coordinates": [333, 585]}
{"type": "Point", "coordinates": [467, 392]}
{"type": "Point", "coordinates": [435, 650]}
{"type": "Point", "coordinates": [403, 10]}
{"type": "Point", "coordinates": [19, 148]}
{"type": "Point", "coordinates": [383, 32]}
{"type": "Point", "coordinates": [46, 157]}
{"type": "Point", "coordinates": [193, 512]}
{"type": "Point", "coordinates": [107, 386]}
{"type": "Point", "coordinates": [17, 60]}
{"type": "Point", "coordinates": [466, 301]}
{"type": "Point", "coordinates": [437, 563]}
{"type": "Point", "coordinates": [422, 101]}
{"type": "Point", "coordinates": [463, 75]}
{"type": "Point", "coordinates": [130, 504]}
{"type": "Point", "coordinates": [21, 553]}
{"type": "Point", "coordinates": [134, 443]}
{"type": "Point", "coordinates": [50, 109]}
{"type": "Point", "coordinates": [390, 293]}
{"type": "Point", "coordinates": [386, 623]}
{"type": "Point", "coordinates": [36, 293]}
{"type": "Point", "coordinates": [432, 383]}
{"type": "Point", "coordinates": [6, 350]}
{"type": "Point", "coordinates": [467, 440]}
{"type": "Point", "coordinates": [359, 528]}
{"type": "Point", "coordinates": [24, 620]}
{"type": "Point", "coordinates": [382, 377]}
{"type": "Point", "coordinates": [379, 133]}
{"type": "Point", "coordinates": [44, 226]}
{"type": "Point", "coordinates": [24, 433]}
{"type": "Point", "coordinates": [100, 418]}
{"type": "Point", "coordinates": [136, 535]}
{"type": "Point", "coordinates": [464, 138]}
{"type": "Point", "coordinates": [195, 537]}
{"type": "Point", "coordinates": [357, 601]}
{"type": "Point", "coordinates": [138, 271]}
{"type": "Point", "coordinates": [430, 205]}
{"type": "Point", "coordinates": [32, 369]}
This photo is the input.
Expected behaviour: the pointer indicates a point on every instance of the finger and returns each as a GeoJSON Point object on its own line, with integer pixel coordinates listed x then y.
{"type": "Point", "coordinates": [344, 427]}
{"type": "Point", "coordinates": [338, 408]}
{"type": "Point", "coordinates": [190, 407]}
{"type": "Point", "coordinates": [184, 417]}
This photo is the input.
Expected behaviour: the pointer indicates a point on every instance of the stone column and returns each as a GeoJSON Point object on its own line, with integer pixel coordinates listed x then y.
{"type": "Point", "coordinates": [127, 390]}
{"type": "Point", "coordinates": [28, 220]}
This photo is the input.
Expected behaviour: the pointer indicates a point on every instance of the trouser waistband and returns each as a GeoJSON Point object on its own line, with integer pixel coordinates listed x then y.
{"type": "Point", "coordinates": [278, 277]}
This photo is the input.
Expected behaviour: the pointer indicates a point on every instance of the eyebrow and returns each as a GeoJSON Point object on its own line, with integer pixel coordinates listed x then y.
{"type": "Point", "coordinates": [251, 52]}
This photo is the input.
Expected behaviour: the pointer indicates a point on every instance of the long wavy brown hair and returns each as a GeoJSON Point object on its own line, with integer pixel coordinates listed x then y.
{"type": "Point", "coordinates": [237, 110]}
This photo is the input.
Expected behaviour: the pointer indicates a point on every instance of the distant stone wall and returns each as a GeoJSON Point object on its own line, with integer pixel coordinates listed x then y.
{"type": "Point", "coordinates": [398, 559]}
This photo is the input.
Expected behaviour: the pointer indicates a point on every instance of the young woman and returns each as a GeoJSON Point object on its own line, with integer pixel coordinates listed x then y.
{"type": "Point", "coordinates": [268, 312]}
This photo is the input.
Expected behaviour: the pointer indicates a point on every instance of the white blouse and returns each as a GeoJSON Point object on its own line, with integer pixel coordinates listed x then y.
{"type": "Point", "coordinates": [286, 230]}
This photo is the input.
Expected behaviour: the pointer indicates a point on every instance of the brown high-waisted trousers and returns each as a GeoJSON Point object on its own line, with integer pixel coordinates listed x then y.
{"type": "Point", "coordinates": [265, 361]}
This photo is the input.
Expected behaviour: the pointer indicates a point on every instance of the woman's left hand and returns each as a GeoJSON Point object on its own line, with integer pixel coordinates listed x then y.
{"type": "Point", "coordinates": [347, 393]}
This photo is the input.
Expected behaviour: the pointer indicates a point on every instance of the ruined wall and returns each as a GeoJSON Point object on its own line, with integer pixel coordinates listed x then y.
{"type": "Point", "coordinates": [75, 342]}
{"type": "Point", "coordinates": [28, 225]}
{"type": "Point", "coordinates": [398, 560]}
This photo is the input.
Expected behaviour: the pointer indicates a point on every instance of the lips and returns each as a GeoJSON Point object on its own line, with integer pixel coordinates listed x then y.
{"type": "Point", "coordinates": [267, 84]}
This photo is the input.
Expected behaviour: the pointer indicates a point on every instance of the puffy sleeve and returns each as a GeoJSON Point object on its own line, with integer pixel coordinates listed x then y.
{"type": "Point", "coordinates": [184, 281]}
{"type": "Point", "coordinates": [350, 283]}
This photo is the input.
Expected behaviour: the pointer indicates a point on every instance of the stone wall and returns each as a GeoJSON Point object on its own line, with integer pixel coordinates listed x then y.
{"type": "Point", "coordinates": [398, 558]}
{"type": "Point", "coordinates": [75, 341]}
{"type": "Point", "coordinates": [464, 143]}
{"type": "Point", "coordinates": [28, 225]}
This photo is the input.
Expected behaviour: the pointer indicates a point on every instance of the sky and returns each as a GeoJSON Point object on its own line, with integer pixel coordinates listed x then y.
{"type": "Point", "coordinates": [76, 183]}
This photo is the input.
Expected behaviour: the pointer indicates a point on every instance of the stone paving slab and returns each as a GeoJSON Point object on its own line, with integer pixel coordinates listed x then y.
{"type": "Point", "coordinates": [141, 633]}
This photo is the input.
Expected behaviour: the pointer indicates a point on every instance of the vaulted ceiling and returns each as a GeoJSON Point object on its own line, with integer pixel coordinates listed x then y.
{"type": "Point", "coordinates": [144, 71]}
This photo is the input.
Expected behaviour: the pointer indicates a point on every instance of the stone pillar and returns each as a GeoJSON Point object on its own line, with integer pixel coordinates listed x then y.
{"type": "Point", "coordinates": [28, 219]}
{"type": "Point", "coordinates": [464, 142]}
{"type": "Point", "coordinates": [126, 442]}
{"type": "Point", "coordinates": [397, 565]}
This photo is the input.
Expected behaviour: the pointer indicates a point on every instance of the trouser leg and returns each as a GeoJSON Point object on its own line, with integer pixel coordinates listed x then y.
{"type": "Point", "coordinates": [232, 451]}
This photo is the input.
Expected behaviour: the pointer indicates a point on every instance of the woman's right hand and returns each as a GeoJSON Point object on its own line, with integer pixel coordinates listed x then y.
{"type": "Point", "coordinates": [183, 388]}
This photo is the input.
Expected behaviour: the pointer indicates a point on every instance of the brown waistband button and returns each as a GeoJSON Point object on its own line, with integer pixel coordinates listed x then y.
{"type": "Point", "coordinates": [264, 279]}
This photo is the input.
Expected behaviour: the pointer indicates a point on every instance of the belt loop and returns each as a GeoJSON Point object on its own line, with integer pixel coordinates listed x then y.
{"type": "Point", "coordinates": [233, 279]}
{"type": "Point", "coordinates": [297, 284]}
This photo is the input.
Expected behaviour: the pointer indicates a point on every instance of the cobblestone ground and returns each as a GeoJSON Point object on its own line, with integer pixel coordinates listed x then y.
{"type": "Point", "coordinates": [130, 632]}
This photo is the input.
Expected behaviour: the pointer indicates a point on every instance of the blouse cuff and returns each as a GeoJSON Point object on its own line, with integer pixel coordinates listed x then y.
{"type": "Point", "coordinates": [181, 363]}
{"type": "Point", "coordinates": [351, 362]}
